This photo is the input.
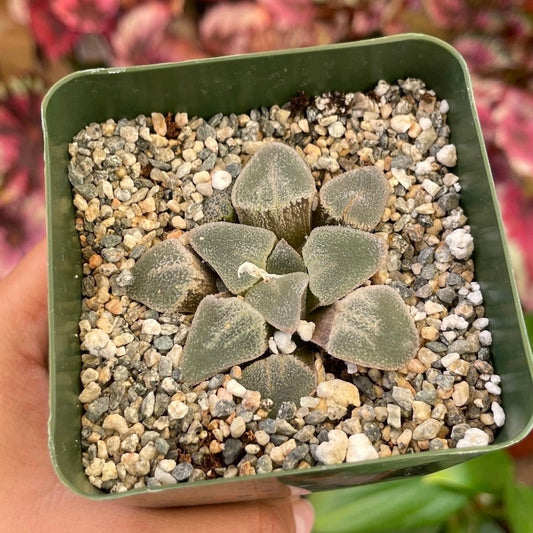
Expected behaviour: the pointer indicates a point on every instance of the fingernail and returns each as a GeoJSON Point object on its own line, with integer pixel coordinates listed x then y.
{"type": "Point", "coordinates": [304, 516]}
{"type": "Point", "coordinates": [298, 491]}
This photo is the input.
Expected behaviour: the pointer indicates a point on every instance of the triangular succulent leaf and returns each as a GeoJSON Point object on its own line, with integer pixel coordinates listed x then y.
{"type": "Point", "coordinates": [371, 327]}
{"type": "Point", "coordinates": [226, 246]}
{"type": "Point", "coordinates": [280, 300]}
{"type": "Point", "coordinates": [169, 277]}
{"type": "Point", "coordinates": [224, 332]}
{"type": "Point", "coordinates": [339, 258]}
{"type": "Point", "coordinates": [284, 259]}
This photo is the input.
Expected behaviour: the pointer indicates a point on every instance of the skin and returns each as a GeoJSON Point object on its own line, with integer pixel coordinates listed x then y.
{"type": "Point", "coordinates": [33, 499]}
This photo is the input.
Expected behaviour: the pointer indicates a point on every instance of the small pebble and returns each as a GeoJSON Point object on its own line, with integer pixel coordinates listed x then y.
{"type": "Point", "coordinates": [220, 180]}
{"type": "Point", "coordinates": [473, 437]}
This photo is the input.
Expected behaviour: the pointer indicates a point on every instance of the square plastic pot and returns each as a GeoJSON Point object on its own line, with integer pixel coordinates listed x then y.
{"type": "Point", "coordinates": [236, 85]}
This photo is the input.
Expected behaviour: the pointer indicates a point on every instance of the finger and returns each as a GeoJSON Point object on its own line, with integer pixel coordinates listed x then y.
{"type": "Point", "coordinates": [23, 309]}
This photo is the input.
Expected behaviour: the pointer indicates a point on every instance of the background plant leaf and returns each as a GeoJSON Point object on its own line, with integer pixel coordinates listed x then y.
{"type": "Point", "coordinates": [403, 505]}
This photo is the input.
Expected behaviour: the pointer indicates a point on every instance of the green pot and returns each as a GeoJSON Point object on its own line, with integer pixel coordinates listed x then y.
{"type": "Point", "coordinates": [236, 85]}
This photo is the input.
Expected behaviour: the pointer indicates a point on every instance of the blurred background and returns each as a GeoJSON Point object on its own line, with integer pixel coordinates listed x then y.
{"type": "Point", "coordinates": [43, 40]}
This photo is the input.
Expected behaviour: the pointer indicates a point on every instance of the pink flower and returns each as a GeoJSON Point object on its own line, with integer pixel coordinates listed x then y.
{"type": "Point", "coordinates": [21, 171]}
{"type": "Point", "coordinates": [514, 130]}
{"type": "Point", "coordinates": [488, 94]}
{"type": "Point", "coordinates": [86, 16]}
{"type": "Point", "coordinates": [447, 14]}
{"type": "Point", "coordinates": [236, 28]}
{"type": "Point", "coordinates": [483, 54]}
{"type": "Point", "coordinates": [144, 35]}
{"type": "Point", "coordinates": [53, 37]}
{"type": "Point", "coordinates": [517, 211]}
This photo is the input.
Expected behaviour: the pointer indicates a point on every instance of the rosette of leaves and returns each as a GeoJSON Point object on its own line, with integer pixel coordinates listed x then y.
{"type": "Point", "coordinates": [277, 268]}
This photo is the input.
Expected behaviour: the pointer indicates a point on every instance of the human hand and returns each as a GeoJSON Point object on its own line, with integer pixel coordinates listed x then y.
{"type": "Point", "coordinates": [32, 497]}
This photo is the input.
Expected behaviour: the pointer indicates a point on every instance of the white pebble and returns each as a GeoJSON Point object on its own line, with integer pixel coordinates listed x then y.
{"type": "Point", "coordinates": [334, 451]}
{"type": "Point", "coordinates": [453, 322]}
{"type": "Point", "coordinates": [305, 330]}
{"type": "Point", "coordinates": [431, 187]}
{"type": "Point", "coordinates": [360, 449]}
{"type": "Point", "coordinates": [177, 410]}
{"type": "Point", "coordinates": [450, 358]}
{"type": "Point", "coordinates": [447, 155]}
{"type": "Point", "coordinates": [400, 123]}
{"type": "Point", "coordinates": [309, 401]}
{"type": "Point", "coordinates": [480, 323]}
{"type": "Point", "coordinates": [444, 107]}
{"type": "Point", "coordinates": [163, 477]}
{"type": "Point", "coordinates": [475, 286]}
{"type": "Point", "coordinates": [284, 342]}
{"type": "Point", "coordinates": [425, 123]}
{"type": "Point", "coordinates": [498, 414]}
{"type": "Point", "coordinates": [493, 388]}
{"type": "Point", "coordinates": [340, 391]}
{"type": "Point", "coordinates": [151, 327]}
{"type": "Point", "coordinates": [475, 298]}
{"type": "Point", "coordinates": [237, 427]}
{"type": "Point", "coordinates": [220, 179]}
{"type": "Point", "coordinates": [351, 368]}
{"type": "Point", "coordinates": [473, 437]}
{"type": "Point", "coordinates": [336, 130]}
{"type": "Point", "coordinates": [424, 167]}
{"type": "Point", "coordinates": [485, 338]}
{"type": "Point", "coordinates": [433, 307]}
{"type": "Point", "coordinates": [496, 379]}
{"type": "Point", "coordinates": [273, 346]}
{"type": "Point", "coordinates": [235, 388]}
{"type": "Point", "coordinates": [461, 243]}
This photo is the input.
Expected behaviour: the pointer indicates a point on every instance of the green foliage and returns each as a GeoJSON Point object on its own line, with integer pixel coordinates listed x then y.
{"type": "Point", "coordinates": [275, 190]}
{"type": "Point", "coordinates": [356, 198]}
{"type": "Point", "coordinates": [226, 246]}
{"type": "Point", "coordinates": [224, 332]}
{"type": "Point", "coordinates": [371, 327]}
{"type": "Point", "coordinates": [282, 378]}
{"type": "Point", "coordinates": [477, 496]}
{"type": "Point", "coordinates": [284, 259]}
{"type": "Point", "coordinates": [280, 300]}
{"type": "Point", "coordinates": [339, 259]}
{"type": "Point", "coordinates": [169, 277]}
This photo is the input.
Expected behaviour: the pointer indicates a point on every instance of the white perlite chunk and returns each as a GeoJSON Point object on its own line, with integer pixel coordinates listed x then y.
{"type": "Point", "coordinates": [493, 388]}
{"type": "Point", "coordinates": [498, 414]}
{"type": "Point", "coordinates": [360, 449]}
{"type": "Point", "coordinates": [475, 298]}
{"type": "Point", "coordinates": [334, 451]}
{"type": "Point", "coordinates": [473, 437]}
{"type": "Point", "coordinates": [220, 180]}
{"type": "Point", "coordinates": [97, 342]}
{"type": "Point", "coordinates": [460, 243]}
{"type": "Point", "coordinates": [305, 330]}
{"type": "Point", "coordinates": [453, 322]}
{"type": "Point", "coordinates": [447, 155]}
{"type": "Point", "coordinates": [284, 342]}
{"type": "Point", "coordinates": [485, 338]}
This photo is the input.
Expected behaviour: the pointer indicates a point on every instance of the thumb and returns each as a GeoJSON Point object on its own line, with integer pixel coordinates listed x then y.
{"type": "Point", "coordinates": [23, 309]}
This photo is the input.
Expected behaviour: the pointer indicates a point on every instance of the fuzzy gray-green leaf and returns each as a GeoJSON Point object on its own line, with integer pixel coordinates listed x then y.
{"type": "Point", "coordinates": [356, 198]}
{"type": "Point", "coordinates": [275, 190]}
{"type": "Point", "coordinates": [339, 258]}
{"type": "Point", "coordinates": [169, 277]}
{"type": "Point", "coordinates": [227, 246]}
{"type": "Point", "coordinates": [284, 259]}
{"type": "Point", "coordinates": [224, 332]}
{"type": "Point", "coordinates": [280, 300]}
{"type": "Point", "coordinates": [282, 378]}
{"type": "Point", "coordinates": [371, 326]}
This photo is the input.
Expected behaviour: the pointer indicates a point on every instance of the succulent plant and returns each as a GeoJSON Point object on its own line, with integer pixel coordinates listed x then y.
{"type": "Point", "coordinates": [297, 370]}
{"type": "Point", "coordinates": [274, 286]}
{"type": "Point", "coordinates": [275, 190]}
{"type": "Point", "coordinates": [356, 198]}
{"type": "Point", "coordinates": [169, 277]}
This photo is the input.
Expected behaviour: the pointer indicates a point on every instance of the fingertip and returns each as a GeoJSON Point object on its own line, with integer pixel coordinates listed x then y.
{"type": "Point", "coordinates": [304, 516]}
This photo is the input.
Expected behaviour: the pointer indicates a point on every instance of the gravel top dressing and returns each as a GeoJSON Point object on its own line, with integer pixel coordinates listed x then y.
{"type": "Point", "coordinates": [146, 180]}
